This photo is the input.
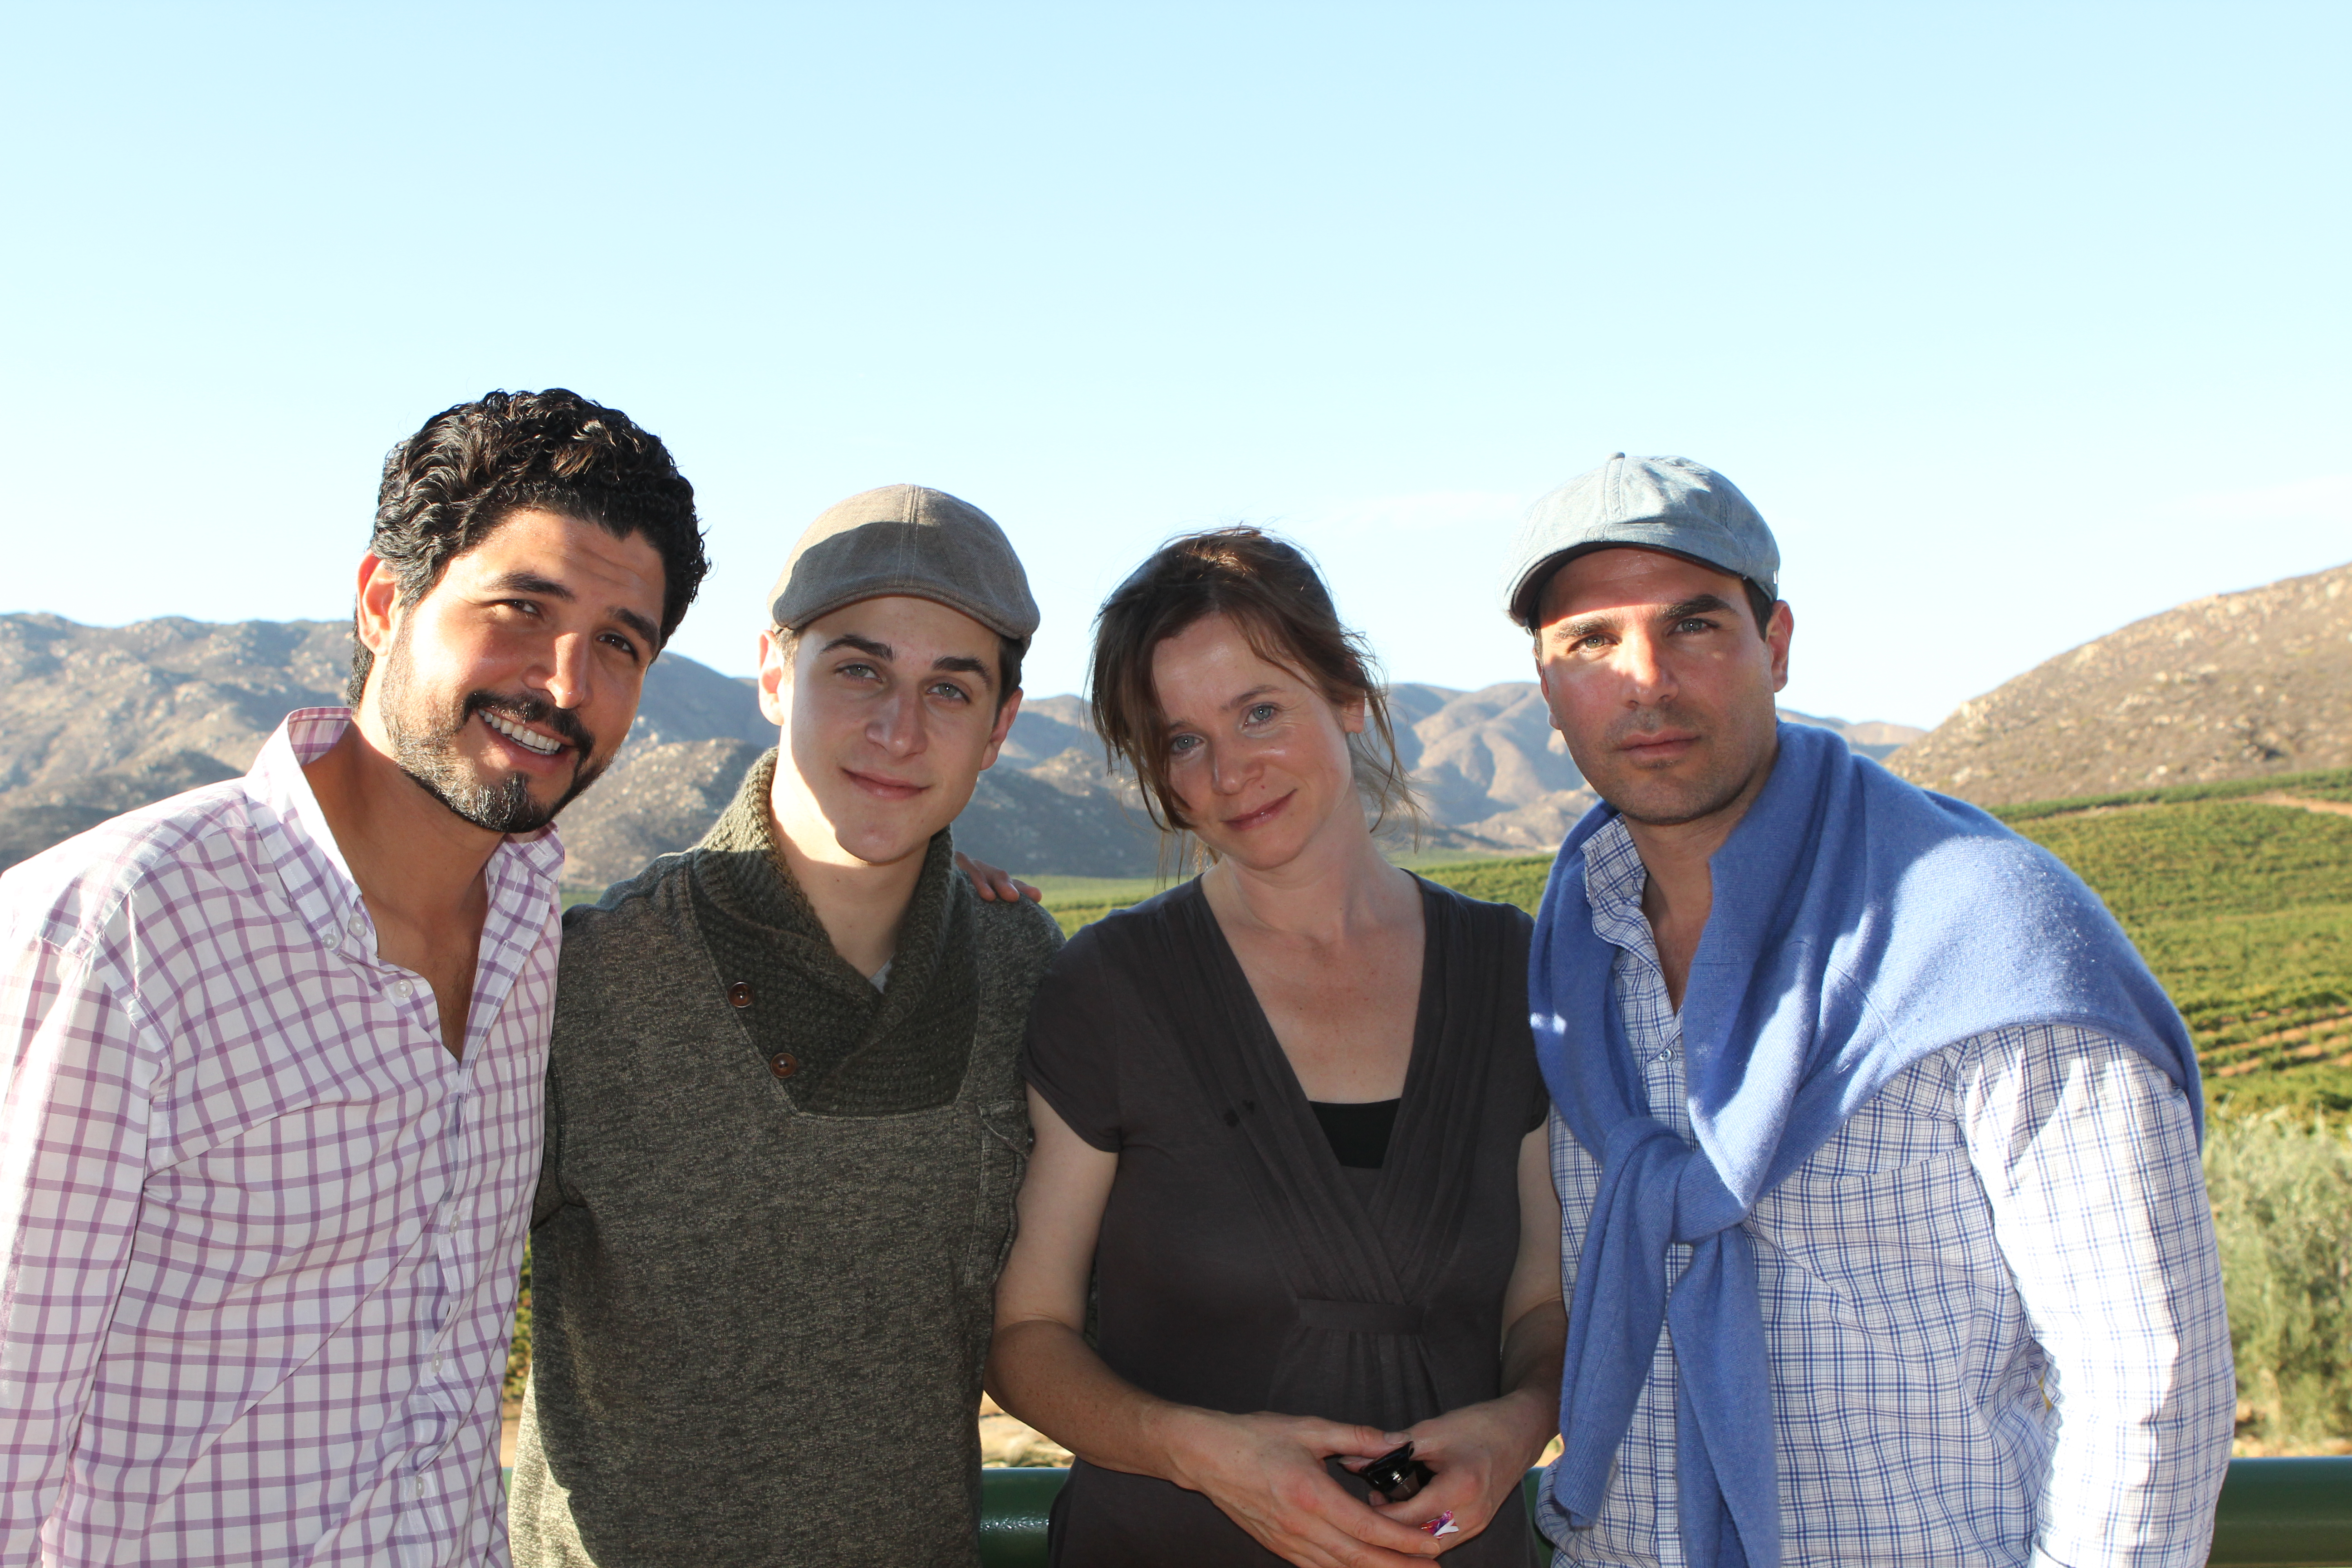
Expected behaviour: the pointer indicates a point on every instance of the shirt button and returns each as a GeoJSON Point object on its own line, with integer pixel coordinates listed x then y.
{"type": "Point", "coordinates": [784, 1064]}
{"type": "Point", "coordinates": [740, 994]}
{"type": "Point", "coordinates": [403, 989]}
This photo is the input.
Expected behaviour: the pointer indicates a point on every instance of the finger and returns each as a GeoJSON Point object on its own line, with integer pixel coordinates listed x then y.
{"type": "Point", "coordinates": [986, 880]}
{"type": "Point", "coordinates": [1373, 1529]}
{"type": "Point", "coordinates": [1338, 1439]}
{"type": "Point", "coordinates": [1317, 1541]}
{"type": "Point", "coordinates": [1034, 895]}
{"type": "Point", "coordinates": [1472, 1507]}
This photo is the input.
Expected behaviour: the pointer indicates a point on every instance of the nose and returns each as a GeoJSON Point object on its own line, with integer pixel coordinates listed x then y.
{"type": "Point", "coordinates": [1639, 659]}
{"type": "Point", "coordinates": [898, 726]}
{"type": "Point", "coordinates": [1228, 770]}
{"type": "Point", "coordinates": [568, 678]}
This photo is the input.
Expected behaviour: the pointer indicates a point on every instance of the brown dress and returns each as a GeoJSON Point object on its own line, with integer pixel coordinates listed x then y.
{"type": "Point", "coordinates": [1241, 1268]}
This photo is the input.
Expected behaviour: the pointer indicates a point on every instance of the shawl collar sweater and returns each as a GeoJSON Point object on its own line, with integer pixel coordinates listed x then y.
{"type": "Point", "coordinates": [770, 1222]}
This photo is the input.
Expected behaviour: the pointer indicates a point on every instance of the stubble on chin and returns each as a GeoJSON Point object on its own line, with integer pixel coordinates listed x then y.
{"type": "Point", "coordinates": [424, 745]}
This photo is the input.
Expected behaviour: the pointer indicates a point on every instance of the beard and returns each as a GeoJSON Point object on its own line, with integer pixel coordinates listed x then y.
{"type": "Point", "coordinates": [424, 733]}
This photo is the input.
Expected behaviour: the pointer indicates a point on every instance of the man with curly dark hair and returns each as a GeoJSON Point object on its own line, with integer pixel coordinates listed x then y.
{"type": "Point", "coordinates": [277, 1045]}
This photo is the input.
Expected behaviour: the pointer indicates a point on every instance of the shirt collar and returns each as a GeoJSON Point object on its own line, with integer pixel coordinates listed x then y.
{"type": "Point", "coordinates": [1613, 873]}
{"type": "Point", "coordinates": [310, 863]}
{"type": "Point", "coordinates": [1614, 880]}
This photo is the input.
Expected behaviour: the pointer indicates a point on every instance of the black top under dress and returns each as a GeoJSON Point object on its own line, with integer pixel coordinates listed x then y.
{"type": "Point", "coordinates": [1241, 1266]}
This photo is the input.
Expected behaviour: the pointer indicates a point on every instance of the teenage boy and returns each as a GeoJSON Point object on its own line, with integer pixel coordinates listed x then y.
{"type": "Point", "coordinates": [1886, 1236]}
{"type": "Point", "coordinates": [273, 1106]}
{"type": "Point", "coordinates": [785, 1122]}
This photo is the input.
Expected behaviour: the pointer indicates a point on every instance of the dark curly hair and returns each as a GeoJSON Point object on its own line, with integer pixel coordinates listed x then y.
{"type": "Point", "coordinates": [447, 487]}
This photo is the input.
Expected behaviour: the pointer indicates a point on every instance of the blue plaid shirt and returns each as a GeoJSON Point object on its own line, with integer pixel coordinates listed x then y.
{"type": "Point", "coordinates": [1993, 1300]}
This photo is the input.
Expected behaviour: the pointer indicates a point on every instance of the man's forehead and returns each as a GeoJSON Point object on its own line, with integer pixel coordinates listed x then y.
{"type": "Point", "coordinates": [1629, 578]}
{"type": "Point", "coordinates": [556, 543]}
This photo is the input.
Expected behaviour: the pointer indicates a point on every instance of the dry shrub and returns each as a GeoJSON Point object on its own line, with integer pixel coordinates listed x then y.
{"type": "Point", "coordinates": [2282, 1189]}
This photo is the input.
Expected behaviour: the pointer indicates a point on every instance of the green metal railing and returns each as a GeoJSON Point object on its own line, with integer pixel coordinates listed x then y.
{"type": "Point", "coordinates": [2274, 1513]}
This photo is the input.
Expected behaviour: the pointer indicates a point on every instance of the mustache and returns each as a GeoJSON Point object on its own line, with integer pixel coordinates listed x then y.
{"type": "Point", "coordinates": [529, 710]}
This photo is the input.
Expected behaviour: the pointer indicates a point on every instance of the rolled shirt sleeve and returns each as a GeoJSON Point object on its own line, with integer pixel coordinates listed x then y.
{"type": "Point", "coordinates": [2088, 1156]}
{"type": "Point", "coordinates": [73, 1153]}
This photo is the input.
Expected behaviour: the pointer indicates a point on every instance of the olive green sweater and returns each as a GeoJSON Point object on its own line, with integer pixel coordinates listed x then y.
{"type": "Point", "coordinates": [771, 1218]}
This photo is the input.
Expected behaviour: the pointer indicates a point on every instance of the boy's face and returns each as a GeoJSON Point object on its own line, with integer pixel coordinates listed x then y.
{"type": "Point", "coordinates": [889, 710]}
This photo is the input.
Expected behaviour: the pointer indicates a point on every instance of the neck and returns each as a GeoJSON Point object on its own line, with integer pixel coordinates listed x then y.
{"type": "Point", "coordinates": [1678, 890]}
{"type": "Point", "coordinates": [859, 904]}
{"type": "Point", "coordinates": [1338, 885]}
{"type": "Point", "coordinates": [414, 858]}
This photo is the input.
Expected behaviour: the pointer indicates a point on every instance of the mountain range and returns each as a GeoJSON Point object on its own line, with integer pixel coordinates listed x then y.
{"type": "Point", "coordinates": [95, 720]}
{"type": "Point", "coordinates": [2233, 686]}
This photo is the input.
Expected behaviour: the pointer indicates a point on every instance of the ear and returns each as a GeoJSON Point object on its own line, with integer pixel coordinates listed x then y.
{"type": "Point", "coordinates": [379, 598]}
{"type": "Point", "coordinates": [1354, 716]}
{"type": "Point", "coordinates": [776, 680]}
{"type": "Point", "coordinates": [1776, 637]}
{"type": "Point", "coordinates": [1004, 717]}
{"type": "Point", "coordinates": [375, 613]}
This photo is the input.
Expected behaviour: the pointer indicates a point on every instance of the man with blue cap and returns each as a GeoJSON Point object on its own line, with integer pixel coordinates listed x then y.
{"type": "Point", "coordinates": [1885, 1235]}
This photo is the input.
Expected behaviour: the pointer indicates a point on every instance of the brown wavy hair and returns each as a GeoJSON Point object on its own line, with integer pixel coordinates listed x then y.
{"type": "Point", "coordinates": [1269, 588]}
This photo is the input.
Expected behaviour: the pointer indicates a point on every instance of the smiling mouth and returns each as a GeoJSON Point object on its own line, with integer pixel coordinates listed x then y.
{"type": "Point", "coordinates": [888, 789]}
{"type": "Point", "coordinates": [529, 739]}
{"type": "Point", "coordinates": [1250, 819]}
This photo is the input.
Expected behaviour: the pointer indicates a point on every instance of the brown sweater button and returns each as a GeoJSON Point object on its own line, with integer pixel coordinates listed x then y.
{"type": "Point", "coordinates": [784, 1064]}
{"type": "Point", "coordinates": [740, 994]}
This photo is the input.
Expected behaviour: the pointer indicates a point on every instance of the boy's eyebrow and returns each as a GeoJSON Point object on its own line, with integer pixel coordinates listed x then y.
{"type": "Point", "coordinates": [524, 581]}
{"type": "Point", "coordinates": [955, 662]}
{"type": "Point", "coordinates": [962, 665]}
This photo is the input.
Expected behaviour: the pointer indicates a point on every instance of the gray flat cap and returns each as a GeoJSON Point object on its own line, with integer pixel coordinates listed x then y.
{"type": "Point", "coordinates": [1672, 504]}
{"type": "Point", "coordinates": [910, 540]}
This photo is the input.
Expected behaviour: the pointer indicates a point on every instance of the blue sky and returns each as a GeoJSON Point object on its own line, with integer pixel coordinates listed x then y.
{"type": "Point", "coordinates": [2018, 321]}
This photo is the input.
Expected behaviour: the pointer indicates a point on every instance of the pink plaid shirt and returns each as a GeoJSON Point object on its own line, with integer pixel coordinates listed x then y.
{"type": "Point", "coordinates": [258, 1229]}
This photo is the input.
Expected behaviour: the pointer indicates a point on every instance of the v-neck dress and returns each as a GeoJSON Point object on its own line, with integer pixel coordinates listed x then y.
{"type": "Point", "coordinates": [1241, 1268]}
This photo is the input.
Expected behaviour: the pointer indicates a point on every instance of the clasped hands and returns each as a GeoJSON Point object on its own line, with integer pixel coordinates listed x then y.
{"type": "Point", "coordinates": [1266, 1472]}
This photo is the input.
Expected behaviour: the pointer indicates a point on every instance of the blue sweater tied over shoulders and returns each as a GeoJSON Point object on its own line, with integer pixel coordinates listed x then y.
{"type": "Point", "coordinates": [1859, 925]}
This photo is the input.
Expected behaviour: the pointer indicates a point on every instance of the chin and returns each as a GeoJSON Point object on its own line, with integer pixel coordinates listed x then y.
{"type": "Point", "coordinates": [1260, 853]}
{"type": "Point", "coordinates": [883, 846]}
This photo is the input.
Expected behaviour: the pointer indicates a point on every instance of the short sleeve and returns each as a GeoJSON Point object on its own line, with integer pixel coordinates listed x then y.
{"type": "Point", "coordinates": [1070, 1055]}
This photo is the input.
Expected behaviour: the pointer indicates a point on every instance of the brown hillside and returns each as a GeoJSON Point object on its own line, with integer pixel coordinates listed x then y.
{"type": "Point", "coordinates": [2235, 686]}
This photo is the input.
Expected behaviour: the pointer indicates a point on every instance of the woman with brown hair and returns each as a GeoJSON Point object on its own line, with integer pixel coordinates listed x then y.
{"type": "Point", "coordinates": [1289, 1128]}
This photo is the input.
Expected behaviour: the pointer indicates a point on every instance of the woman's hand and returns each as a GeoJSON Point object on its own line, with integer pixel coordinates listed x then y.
{"type": "Point", "coordinates": [992, 884]}
{"type": "Point", "coordinates": [1265, 1472]}
{"type": "Point", "coordinates": [1481, 1453]}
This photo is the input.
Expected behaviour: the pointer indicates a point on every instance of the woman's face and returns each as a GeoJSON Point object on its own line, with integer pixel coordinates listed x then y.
{"type": "Point", "coordinates": [1256, 756]}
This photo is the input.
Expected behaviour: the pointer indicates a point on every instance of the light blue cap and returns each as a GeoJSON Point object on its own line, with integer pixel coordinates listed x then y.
{"type": "Point", "coordinates": [1672, 504]}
